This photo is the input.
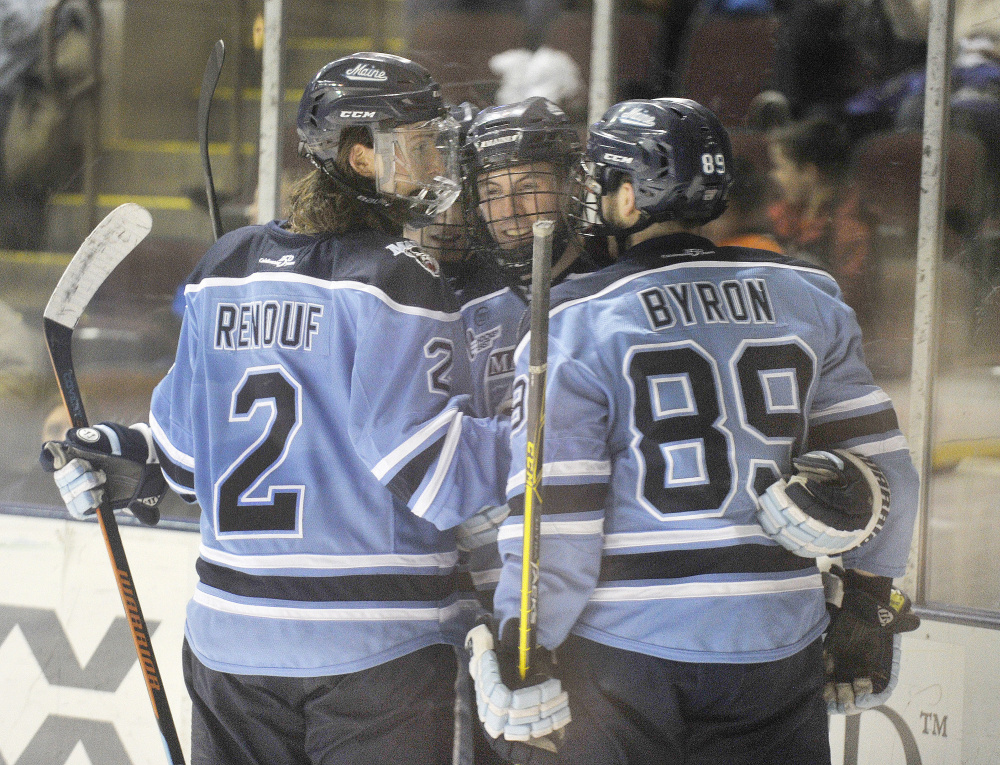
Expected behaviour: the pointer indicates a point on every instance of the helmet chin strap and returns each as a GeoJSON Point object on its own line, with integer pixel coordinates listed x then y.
{"type": "Point", "coordinates": [391, 213]}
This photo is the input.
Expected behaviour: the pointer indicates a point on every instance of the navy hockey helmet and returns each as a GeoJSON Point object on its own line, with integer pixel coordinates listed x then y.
{"type": "Point", "coordinates": [400, 104]}
{"type": "Point", "coordinates": [674, 151]}
{"type": "Point", "coordinates": [518, 159]}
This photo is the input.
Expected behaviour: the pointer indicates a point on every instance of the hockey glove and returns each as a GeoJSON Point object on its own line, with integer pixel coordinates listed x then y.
{"type": "Point", "coordinates": [107, 457]}
{"type": "Point", "coordinates": [521, 718]}
{"type": "Point", "coordinates": [862, 649]}
{"type": "Point", "coordinates": [481, 529]}
{"type": "Point", "coordinates": [834, 502]}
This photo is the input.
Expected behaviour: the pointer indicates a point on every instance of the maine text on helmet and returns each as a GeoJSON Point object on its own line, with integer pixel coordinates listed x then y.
{"type": "Point", "coordinates": [366, 72]}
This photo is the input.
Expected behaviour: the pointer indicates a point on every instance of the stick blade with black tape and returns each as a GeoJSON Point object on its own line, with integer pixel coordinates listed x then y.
{"type": "Point", "coordinates": [541, 271]}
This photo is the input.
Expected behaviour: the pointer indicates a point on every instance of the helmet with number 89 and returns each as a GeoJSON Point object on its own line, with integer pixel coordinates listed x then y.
{"type": "Point", "coordinates": [414, 138]}
{"type": "Point", "coordinates": [674, 151]}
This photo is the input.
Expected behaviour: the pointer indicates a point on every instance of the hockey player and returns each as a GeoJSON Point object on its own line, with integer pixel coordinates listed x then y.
{"type": "Point", "coordinates": [683, 381]}
{"type": "Point", "coordinates": [311, 412]}
{"type": "Point", "coordinates": [446, 238]}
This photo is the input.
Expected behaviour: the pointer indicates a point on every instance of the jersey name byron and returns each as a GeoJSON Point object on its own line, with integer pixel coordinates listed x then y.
{"type": "Point", "coordinates": [740, 301]}
{"type": "Point", "coordinates": [287, 324]}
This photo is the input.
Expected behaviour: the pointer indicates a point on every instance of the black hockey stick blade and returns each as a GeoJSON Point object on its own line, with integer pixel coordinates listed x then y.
{"type": "Point", "coordinates": [541, 272]}
{"type": "Point", "coordinates": [208, 83]}
{"type": "Point", "coordinates": [103, 249]}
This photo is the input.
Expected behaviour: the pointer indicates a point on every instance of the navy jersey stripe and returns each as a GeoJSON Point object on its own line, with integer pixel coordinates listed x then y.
{"type": "Point", "coordinates": [678, 564]}
{"type": "Point", "coordinates": [408, 479]}
{"type": "Point", "coordinates": [831, 433]}
{"type": "Point", "coordinates": [581, 498]}
{"type": "Point", "coordinates": [330, 589]}
{"type": "Point", "coordinates": [176, 473]}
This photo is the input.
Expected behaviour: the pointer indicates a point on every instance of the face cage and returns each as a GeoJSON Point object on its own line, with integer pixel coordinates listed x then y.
{"type": "Point", "coordinates": [417, 166]}
{"type": "Point", "coordinates": [508, 201]}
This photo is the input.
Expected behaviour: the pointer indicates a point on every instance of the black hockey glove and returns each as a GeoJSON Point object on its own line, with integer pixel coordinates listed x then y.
{"type": "Point", "coordinates": [862, 644]}
{"type": "Point", "coordinates": [523, 719]}
{"type": "Point", "coordinates": [107, 457]}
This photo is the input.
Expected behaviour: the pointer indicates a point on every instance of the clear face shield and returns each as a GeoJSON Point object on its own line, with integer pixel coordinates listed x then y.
{"type": "Point", "coordinates": [417, 165]}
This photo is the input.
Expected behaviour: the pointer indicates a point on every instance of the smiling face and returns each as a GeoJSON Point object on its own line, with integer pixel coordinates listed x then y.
{"type": "Point", "coordinates": [512, 199]}
{"type": "Point", "coordinates": [445, 239]}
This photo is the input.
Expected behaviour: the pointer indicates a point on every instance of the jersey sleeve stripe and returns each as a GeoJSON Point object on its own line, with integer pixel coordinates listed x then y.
{"type": "Point", "coordinates": [596, 470]}
{"type": "Point", "coordinates": [178, 477]}
{"type": "Point", "coordinates": [570, 498]}
{"type": "Point", "coordinates": [883, 446]}
{"type": "Point", "coordinates": [164, 443]}
{"type": "Point", "coordinates": [839, 431]}
{"type": "Point", "coordinates": [402, 453]}
{"type": "Point", "coordinates": [515, 530]}
{"type": "Point", "coordinates": [328, 589]}
{"type": "Point", "coordinates": [681, 564]}
{"type": "Point", "coordinates": [446, 452]}
{"type": "Point", "coordinates": [875, 398]}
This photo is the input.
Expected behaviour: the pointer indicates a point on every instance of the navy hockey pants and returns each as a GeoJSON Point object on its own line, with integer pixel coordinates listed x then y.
{"type": "Point", "coordinates": [398, 712]}
{"type": "Point", "coordinates": [629, 708]}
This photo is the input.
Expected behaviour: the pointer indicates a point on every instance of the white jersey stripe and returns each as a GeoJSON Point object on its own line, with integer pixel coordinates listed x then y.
{"type": "Point", "coordinates": [325, 284]}
{"type": "Point", "coordinates": [451, 441]}
{"type": "Point", "coordinates": [328, 562]}
{"type": "Point", "coordinates": [410, 445]}
{"type": "Point", "coordinates": [568, 469]}
{"type": "Point", "coordinates": [884, 446]}
{"type": "Point", "coordinates": [707, 589]}
{"type": "Point", "coordinates": [550, 528]}
{"type": "Point", "coordinates": [172, 451]}
{"type": "Point", "coordinates": [347, 614]}
{"type": "Point", "coordinates": [875, 398]}
{"type": "Point", "coordinates": [632, 539]}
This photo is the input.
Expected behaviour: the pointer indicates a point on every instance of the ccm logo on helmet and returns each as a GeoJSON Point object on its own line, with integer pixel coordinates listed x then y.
{"type": "Point", "coordinates": [349, 113]}
{"type": "Point", "coordinates": [618, 158]}
{"type": "Point", "coordinates": [366, 72]}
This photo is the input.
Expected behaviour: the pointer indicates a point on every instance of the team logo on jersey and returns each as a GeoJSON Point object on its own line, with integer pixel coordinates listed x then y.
{"type": "Point", "coordinates": [637, 117]}
{"type": "Point", "coordinates": [282, 262]}
{"type": "Point", "coordinates": [483, 341]}
{"type": "Point", "coordinates": [411, 250]}
{"type": "Point", "coordinates": [366, 73]}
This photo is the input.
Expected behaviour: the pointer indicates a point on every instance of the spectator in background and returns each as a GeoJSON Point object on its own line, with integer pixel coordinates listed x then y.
{"type": "Point", "coordinates": [817, 216]}
{"type": "Point", "coordinates": [48, 62]}
{"type": "Point", "coordinates": [745, 222]}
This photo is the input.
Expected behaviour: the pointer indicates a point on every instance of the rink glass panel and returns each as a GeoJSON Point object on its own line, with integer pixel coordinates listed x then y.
{"type": "Point", "coordinates": [126, 340]}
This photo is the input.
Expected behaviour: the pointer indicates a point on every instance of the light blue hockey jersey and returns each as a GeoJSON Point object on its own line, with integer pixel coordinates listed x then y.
{"type": "Point", "coordinates": [311, 410]}
{"type": "Point", "coordinates": [681, 382]}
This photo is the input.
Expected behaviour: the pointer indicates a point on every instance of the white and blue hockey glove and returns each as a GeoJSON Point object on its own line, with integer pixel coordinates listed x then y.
{"type": "Point", "coordinates": [481, 529]}
{"type": "Point", "coordinates": [835, 501]}
{"type": "Point", "coordinates": [107, 458]}
{"type": "Point", "coordinates": [521, 718]}
{"type": "Point", "coordinates": [862, 645]}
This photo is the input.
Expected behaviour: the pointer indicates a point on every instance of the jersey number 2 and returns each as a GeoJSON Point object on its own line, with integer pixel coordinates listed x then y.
{"type": "Point", "coordinates": [277, 511]}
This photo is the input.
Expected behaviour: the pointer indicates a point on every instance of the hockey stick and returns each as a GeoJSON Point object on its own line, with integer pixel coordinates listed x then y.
{"type": "Point", "coordinates": [541, 268]}
{"type": "Point", "coordinates": [103, 249]}
{"type": "Point", "coordinates": [208, 82]}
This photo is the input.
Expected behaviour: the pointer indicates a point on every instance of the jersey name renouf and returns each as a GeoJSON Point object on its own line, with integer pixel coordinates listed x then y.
{"type": "Point", "coordinates": [258, 324]}
{"type": "Point", "coordinates": [743, 301]}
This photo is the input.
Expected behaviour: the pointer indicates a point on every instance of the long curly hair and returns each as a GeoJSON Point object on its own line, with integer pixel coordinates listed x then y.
{"type": "Point", "coordinates": [320, 206]}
